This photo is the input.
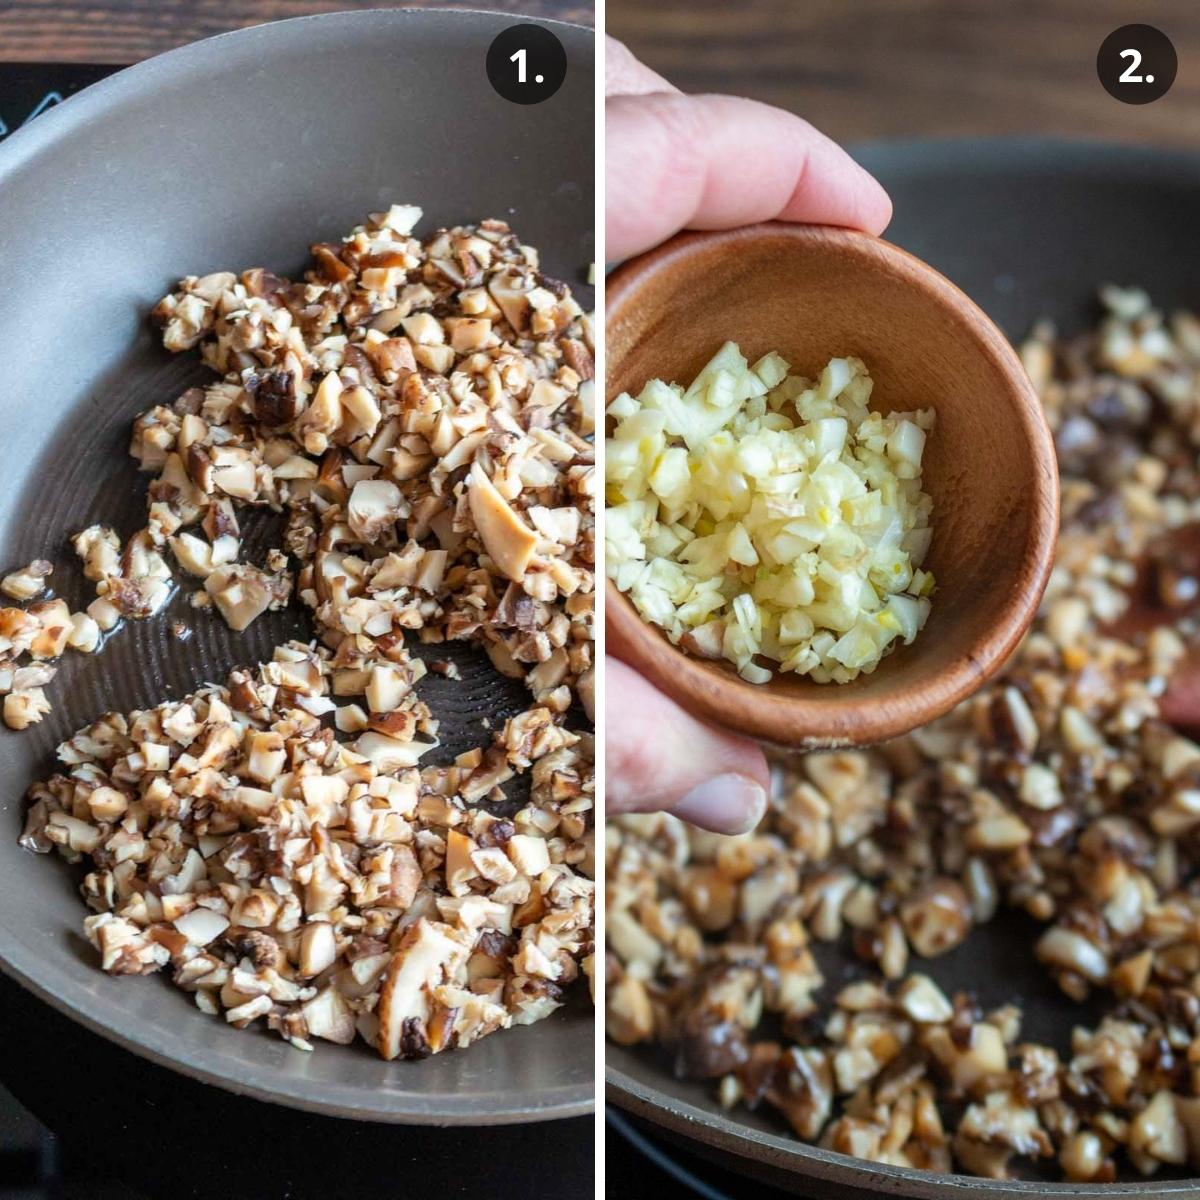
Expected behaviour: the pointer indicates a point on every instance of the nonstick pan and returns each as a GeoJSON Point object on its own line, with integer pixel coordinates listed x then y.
{"type": "Point", "coordinates": [233, 152]}
{"type": "Point", "coordinates": [1028, 228]}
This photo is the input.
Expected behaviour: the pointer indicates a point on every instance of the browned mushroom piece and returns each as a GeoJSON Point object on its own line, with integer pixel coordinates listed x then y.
{"type": "Point", "coordinates": [428, 954]}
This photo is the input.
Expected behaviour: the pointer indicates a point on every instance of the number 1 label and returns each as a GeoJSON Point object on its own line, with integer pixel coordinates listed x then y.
{"type": "Point", "coordinates": [538, 56]}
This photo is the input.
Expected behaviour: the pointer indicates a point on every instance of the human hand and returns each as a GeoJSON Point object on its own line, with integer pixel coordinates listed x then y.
{"type": "Point", "coordinates": [715, 162]}
{"type": "Point", "coordinates": [657, 757]}
{"type": "Point", "coordinates": [703, 162]}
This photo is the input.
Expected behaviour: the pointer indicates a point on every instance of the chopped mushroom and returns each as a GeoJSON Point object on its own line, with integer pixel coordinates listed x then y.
{"type": "Point", "coordinates": [1060, 793]}
{"type": "Point", "coordinates": [375, 507]}
{"type": "Point", "coordinates": [507, 539]}
{"type": "Point", "coordinates": [29, 581]}
{"type": "Point", "coordinates": [303, 874]}
{"type": "Point", "coordinates": [25, 707]}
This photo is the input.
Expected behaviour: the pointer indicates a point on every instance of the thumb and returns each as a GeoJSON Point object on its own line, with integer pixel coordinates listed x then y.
{"type": "Point", "coordinates": [657, 757]}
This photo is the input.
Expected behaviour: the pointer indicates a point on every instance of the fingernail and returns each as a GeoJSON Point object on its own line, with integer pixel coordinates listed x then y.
{"type": "Point", "coordinates": [724, 804]}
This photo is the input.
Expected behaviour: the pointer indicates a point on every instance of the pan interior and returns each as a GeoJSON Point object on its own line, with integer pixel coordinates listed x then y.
{"type": "Point", "coordinates": [1028, 229]}
{"type": "Point", "coordinates": [236, 152]}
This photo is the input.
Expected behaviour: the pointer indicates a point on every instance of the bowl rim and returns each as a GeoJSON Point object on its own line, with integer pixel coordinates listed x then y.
{"type": "Point", "coordinates": [19, 960]}
{"type": "Point", "coordinates": [807, 723]}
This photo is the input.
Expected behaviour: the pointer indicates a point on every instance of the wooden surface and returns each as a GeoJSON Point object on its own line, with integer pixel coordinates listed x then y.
{"type": "Point", "coordinates": [126, 31]}
{"type": "Point", "coordinates": [861, 69]}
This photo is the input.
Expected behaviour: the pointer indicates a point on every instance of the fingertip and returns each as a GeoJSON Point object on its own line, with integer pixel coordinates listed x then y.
{"type": "Point", "coordinates": [707, 776]}
{"type": "Point", "coordinates": [877, 205]}
{"type": "Point", "coordinates": [728, 804]}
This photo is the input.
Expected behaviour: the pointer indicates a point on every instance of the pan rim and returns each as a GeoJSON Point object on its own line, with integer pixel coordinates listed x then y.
{"type": "Point", "coordinates": [789, 1154]}
{"type": "Point", "coordinates": [108, 92]}
{"type": "Point", "coordinates": [1001, 152]}
{"type": "Point", "coordinates": [20, 960]}
{"type": "Point", "coordinates": [743, 1141]}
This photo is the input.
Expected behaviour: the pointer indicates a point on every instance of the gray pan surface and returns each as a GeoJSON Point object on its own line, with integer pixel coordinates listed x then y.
{"type": "Point", "coordinates": [1028, 228]}
{"type": "Point", "coordinates": [234, 152]}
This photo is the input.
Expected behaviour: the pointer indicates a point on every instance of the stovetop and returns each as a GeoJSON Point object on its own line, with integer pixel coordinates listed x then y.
{"type": "Point", "coordinates": [640, 1162]}
{"type": "Point", "coordinates": [83, 1119]}
{"type": "Point", "coordinates": [28, 89]}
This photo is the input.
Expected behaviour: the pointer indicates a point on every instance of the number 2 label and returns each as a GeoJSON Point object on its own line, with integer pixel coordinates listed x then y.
{"type": "Point", "coordinates": [1126, 76]}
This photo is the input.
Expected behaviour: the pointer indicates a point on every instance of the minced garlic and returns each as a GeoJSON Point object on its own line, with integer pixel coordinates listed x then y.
{"type": "Point", "coordinates": [761, 515]}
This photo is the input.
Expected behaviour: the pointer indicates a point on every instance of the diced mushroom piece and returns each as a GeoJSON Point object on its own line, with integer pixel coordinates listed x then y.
{"type": "Point", "coordinates": [65, 830]}
{"type": "Point", "coordinates": [276, 397]}
{"type": "Point", "coordinates": [193, 554]}
{"type": "Point", "coordinates": [937, 918]}
{"type": "Point", "coordinates": [469, 1016]}
{"type": "Point", "coordinates": [1072, 951]}
{"type": "Point", "coordinates": [323, 415]}
{"type": "Point", "coordinates": [387, 688]}
{"type": "Point", "coordinates": [201, 926]}
{"type": "Point", "coordinates": [85, 633]}
{"type": "Point", "coordinates": [529, 854]}
{"type": "Point", "coordinates": [36, 674]}
{"type": "Point", "coordinates": [104, 613]}
{"type": "Point", "coordinates": [423, 329]}
{"type": "Point", "coordinates": [318, 948]}
{"type": "Point", "coordinates": [266, 756]}
{"type": "Point", "coordinates": [388, 754]}
{"type": "Point", "coordinates": [460, 869]}
{"type": "Point", "coordinates": [328, 1016]}
{"type": "Point", "coordinates": [359, 404]}
{"type": "Point", "coordinates": [1158, 1132]}
{"type": "Point", "coordinates": [234, 471]}
{"type": "Point", "coordinates": [242, 1015]}
{"type": "Point", "coordinates": [375, 506]}
{"type": "Point", "coordinates": [508, 540]}
{"type": "Point", "coordinates": [25, 708]}
{"type": "Point", "coordinates": [427, 954]}
{"type": "Point", "coordinates": [54, 621]}
{"type": "Point", "coordinates": [468, 334]}
{"type": "Point", "coordinates": [923, 1001]}
{"type": "Point", "coordinates": [107, 804]}
{"type": "Point", "coordinates": [191, 872]}
{"type": "Point", "coordinates": [29, 581]}
{"type": "Point", "coordinates": [323, 794]}
{"type": "Point", "coordinates": [511, 293]}
{"type": "Point", "coordinates": [979, 1056]}
{"type": "Point", "coordinates": [585, 686]}
{"type": "Point", "coordinates": [240, 593]}
{"type": "Point", "coordinates": [100, 549]}
{"type": "Point", "coordinates": [402, 218]}
{"type": "Point", "coordinates": [1187, 1108]}
{"type": "Point", "coordinates": [629, 1015]}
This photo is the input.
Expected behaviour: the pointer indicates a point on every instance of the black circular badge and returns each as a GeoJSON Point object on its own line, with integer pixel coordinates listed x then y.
{"type": "Point", "coordinates": [1137, 64]}
{"type": "Point", "coordinates": [526, 64]}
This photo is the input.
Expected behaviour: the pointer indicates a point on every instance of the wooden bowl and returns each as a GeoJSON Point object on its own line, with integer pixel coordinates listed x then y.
{"type": "Point", "coordinates": [814, 293]}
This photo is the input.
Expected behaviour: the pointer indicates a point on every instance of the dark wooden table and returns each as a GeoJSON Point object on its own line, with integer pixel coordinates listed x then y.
{"type": "Point", "coordinates": [861, 69]}
{"type": "Point", "coordinates": [126, 31]}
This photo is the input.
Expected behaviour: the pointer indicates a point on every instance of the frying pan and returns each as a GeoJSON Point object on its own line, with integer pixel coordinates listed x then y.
{"type": "Point", "coordinates": [1028, 228]}
{"type": "Point", "coordinates": [233, 152]}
